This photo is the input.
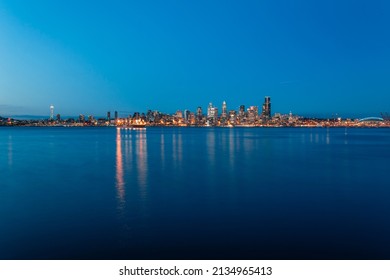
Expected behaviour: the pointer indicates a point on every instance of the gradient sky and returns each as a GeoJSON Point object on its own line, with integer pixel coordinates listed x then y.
{"type": "Point", "coordinates": [311, 57]}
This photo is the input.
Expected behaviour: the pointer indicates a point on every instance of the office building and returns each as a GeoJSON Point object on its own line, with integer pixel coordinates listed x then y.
{"type": "Point", "coordinates": [266, 113]}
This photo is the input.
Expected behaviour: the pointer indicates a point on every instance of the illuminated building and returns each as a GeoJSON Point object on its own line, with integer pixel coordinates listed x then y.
{"type": "Point", "coordinates": [253, 112]}
{"type": "Point", "coordinates": [199, 112]}
{"type": "Point", "coordinates": [209, 110]}
{"type": "Point", "coordinates": [266, 113]}
{"type": "Point", "coordinates": [224, 110]}
{"type": "Point", "coordinates": [51, 112]}
{"type": "Point", "coordinates": [232, 116]}
{"type": "Point", "coordinates": [214, 114]}
{"type": "Point", "coordinates": [179, 114]}
{"type": "Point", "coordinates": [187, 116]}
{"type": "Point", "coordinates": [241, 112]}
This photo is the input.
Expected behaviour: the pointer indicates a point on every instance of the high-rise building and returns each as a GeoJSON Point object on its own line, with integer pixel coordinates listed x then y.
{"type": "Point", "coordinates": [51, 112]}
{"type": "Point", "coordinates": [232, 116]}
{"type": "Point", "coordinates": [241, 112]}
{"type": "Point", "coordinates": [187, 115]}
{"type": "Point", "coordinates": [179, 114]}
{"type": "Point", "coordinates": [214, 114]}
{"type": "Point", "coordinates": [109, 116]}
{"type": "Point", "coordinates": [209, 110]}
{"type": "Point", "coordinates": [199, 112]}
{"type": "Point", "coordinates": [224, 110]}
{"type": "Point", "coordinates": [253, 112]}
{"type": "Point", "coordinates": [116, 115]}
{"type": "Point", "coordinates": [266, 113]}
{"type": "Point", "coordinates": [58, 117]}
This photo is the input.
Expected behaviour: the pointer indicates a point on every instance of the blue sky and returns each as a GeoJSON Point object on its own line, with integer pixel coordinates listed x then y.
{"type": "Point", "coordinates": [311, 57]}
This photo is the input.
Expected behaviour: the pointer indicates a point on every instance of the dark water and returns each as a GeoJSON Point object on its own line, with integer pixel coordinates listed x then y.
{"type": "Point", "coordinates": [194, 193]}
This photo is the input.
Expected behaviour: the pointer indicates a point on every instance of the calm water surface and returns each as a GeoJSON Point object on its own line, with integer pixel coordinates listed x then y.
{"type": "Point", "coordinates": [194, 193]}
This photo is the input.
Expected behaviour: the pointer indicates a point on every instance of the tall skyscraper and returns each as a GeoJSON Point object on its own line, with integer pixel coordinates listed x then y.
{"type": "Point", "coordinates": [209, 110]}
{"type": "Point", "coordinates": [241, 112]}
{"type": "Point", "coordinates": [187, 115]}
{"type": "Point", "coordinates": [199, 112]}
{"type": "Point", "coordinates": [51, 112]}
{"type": "Point", "coordinates": [224, 110]}
{"type": "Point", "coordinates": [267, 107]}
{"type": "Point", "coordinates": [109, 116]}
{"type": "Point", "coordinates": [116, 115]}
{"type": "Point", "coordinates": [214, 114]}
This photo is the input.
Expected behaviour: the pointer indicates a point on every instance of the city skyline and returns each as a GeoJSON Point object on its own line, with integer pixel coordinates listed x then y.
{"type": "Point", "coordinates": [221, 110]}
{"type": "Point", "coordinates": [312, 58]}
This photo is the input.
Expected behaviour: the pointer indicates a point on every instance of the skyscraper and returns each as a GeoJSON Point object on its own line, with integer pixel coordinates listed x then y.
{"type": "Point", "coordinates": [224, 110]}
{"type": "Point", "coordinates": [109, 116]}
{"type": "Point", "coordinates": [209, 110]}
{"type": "Point", "coordinates": [199, 112]}
{"type": "Point", "coordinates": [214, 114]}
{"type": "Point", "coordinates": [51, 112]}
{"type": "Point", "coordinates": [187, 115]}
{"type": "Point", "coordinates": [267, 107]}
{"type": "Point", "coordinates": [116, 115]}
{"type": "Point", "coordinates": [241, 112]}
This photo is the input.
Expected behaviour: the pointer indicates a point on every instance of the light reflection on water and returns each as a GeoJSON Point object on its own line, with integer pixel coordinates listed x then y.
{"type": "Point", "coordinates": [120, 183]}
{"type": "Point", "coordinates": [142, 160]}
{"type": "Point", "coordinates": [211, 147]}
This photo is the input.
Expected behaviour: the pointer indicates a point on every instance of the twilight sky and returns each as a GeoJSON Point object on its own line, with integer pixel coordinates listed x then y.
{"type": "Point", "coordinates": [311, 57]}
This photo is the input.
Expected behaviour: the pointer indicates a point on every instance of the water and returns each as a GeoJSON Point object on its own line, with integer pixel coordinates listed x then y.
{"type": "Point", "coordinates": [194, 193]}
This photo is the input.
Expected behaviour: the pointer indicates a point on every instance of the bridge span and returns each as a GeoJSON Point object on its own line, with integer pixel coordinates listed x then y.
{"type": "Point", "coordinates": [370, 119]}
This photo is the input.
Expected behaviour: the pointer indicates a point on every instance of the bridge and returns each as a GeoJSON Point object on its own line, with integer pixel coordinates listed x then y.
{"type": "Point", "coordinates": [370, 119]}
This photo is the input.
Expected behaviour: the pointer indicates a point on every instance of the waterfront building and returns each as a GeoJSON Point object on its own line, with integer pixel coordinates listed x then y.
{"type": "Point", "coordinates": [108, 115]}
{"type": "Point", "coordinates": [116, 115]}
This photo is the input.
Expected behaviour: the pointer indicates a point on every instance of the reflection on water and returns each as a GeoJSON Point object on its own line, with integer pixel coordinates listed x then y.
{"type": "Point", "coordinates": [120, 184]}
{"type": "Point", "coordinates": [218, 187]}
{"type": "Point", "coordinates": [177, 149]}
{"type": "Point", "coordinates": [327, 136]}
{"type": "Point", "coordinates": [142, 159]}
{"type": "Point", "coordinates": [231, 147]}
{"type": "Point", "coordinates": [10, 151]}
{"type": "Point", "coordinates": [162, 149]}
{"type": "Point", "coordinates": [125, 159]}
{"type": "Point", "coordinates": [211, 147]}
